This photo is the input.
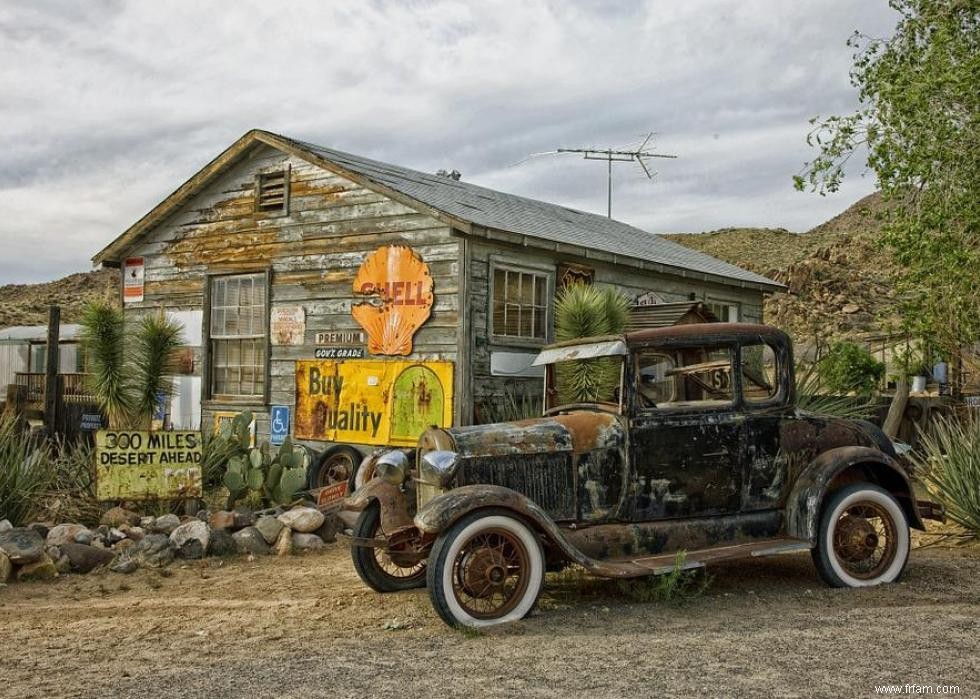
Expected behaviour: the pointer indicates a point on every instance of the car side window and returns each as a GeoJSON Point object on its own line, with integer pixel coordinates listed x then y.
{"type": "Point", "coordinates": [687, 377]}
{"type": "Point", "coordinates": [760, 373]}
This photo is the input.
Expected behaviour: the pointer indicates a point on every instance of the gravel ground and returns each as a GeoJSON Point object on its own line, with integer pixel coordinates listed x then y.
{"type": "Point", "coordinates": [307, 627]}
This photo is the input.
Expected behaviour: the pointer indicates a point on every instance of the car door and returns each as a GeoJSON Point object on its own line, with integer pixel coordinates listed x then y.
{"type": "Point", "coordinates": [685, 435]}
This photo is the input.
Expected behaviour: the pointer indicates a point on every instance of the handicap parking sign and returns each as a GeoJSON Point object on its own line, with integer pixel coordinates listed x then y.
{"type": "Point", "coordinates": [279, 424]}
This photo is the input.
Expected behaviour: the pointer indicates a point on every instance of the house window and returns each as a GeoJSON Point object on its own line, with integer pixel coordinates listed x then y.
{"type": "Point", "coordinates": [725, 311]}
{"type": "Point", "coordinates": [238, 335]}
{"type": "Point", "coordinates": [520, 303]}
{"type": "Point", "coordinates": [272, 192]}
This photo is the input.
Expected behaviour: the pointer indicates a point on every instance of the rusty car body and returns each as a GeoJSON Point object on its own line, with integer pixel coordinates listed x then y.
{"type": "Point", "coordinates": [693, 444]}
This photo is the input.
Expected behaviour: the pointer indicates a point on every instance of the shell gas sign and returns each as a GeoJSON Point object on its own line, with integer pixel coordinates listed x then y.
{"type": "Point", "coordinates": [372, 401]}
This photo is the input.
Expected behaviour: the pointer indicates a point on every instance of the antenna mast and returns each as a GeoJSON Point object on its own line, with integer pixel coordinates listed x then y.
{"type": "Point", "coordinates": [625, 156]}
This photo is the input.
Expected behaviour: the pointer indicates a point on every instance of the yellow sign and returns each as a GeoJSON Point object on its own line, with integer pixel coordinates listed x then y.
{"type": "Point", "coordinates": [147, 465]}
{"type": "Point", "coordinates": [372, 401]}
{"type": "Point", "coordinates": [400, 287]}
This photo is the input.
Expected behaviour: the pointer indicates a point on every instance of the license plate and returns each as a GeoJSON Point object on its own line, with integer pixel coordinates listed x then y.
{"type": "Point", "coordinates": [332, 497]}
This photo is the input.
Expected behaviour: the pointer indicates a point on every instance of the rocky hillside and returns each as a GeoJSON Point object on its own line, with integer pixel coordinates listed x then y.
{"type": "Point", "coordinates": [839, 281]}
{"type": "Point", "coordinates": [27, 304]}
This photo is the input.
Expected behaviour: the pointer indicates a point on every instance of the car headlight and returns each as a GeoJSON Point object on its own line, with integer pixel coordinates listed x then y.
{"type": "Point", "coordinates": [439, 466]}
{"type": "Point", "coordinates": [392, 467]}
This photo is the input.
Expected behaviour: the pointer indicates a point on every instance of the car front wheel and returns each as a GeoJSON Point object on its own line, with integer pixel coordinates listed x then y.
{"type": "Point", "coordinates": [863, 538]}
{"type": "Point", "coordinates": [486, 569]}
{"type": "Point", "coordinates": [380, 569]}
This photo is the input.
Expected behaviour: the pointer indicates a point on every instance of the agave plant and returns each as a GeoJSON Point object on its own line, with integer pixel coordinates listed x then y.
{"type": "Point", "coordinates": [812, 397]}
{"type": "Point", "coordinates": [263, 475]}
{"type": "Point", "coordinates": [584, 310]}
{"type": "Point", "coordinates": [128, 374]}
{"type": "Point", "coordinates": [948, 462]}
{"type": "Point", "coordinates": [26, 471]}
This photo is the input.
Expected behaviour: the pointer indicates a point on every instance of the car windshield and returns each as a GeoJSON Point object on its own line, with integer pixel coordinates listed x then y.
{"type": "Point", "coordinates": [589, 374]}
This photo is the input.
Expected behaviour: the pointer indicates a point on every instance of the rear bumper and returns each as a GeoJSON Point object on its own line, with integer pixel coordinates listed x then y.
{"type": "Point", "coordinates": [931, 510]}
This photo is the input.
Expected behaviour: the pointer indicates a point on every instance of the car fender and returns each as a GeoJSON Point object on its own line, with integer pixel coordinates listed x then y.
{"type": "Point", "coordinates": [391, 499]}
{"type": "Point", "coordinates": [443, 510]}
{"type": "Point", "coordinates": [804, 505]}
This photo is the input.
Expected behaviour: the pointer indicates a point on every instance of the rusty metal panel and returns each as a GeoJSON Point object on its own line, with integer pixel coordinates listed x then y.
{"type": "Point", "coordinates": [132, 465]}
{"type": "Point", "coordinates": [372, 401]}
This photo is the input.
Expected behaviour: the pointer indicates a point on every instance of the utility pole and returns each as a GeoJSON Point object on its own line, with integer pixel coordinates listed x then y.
{"type": "Point", "coordinates": [620, 156]}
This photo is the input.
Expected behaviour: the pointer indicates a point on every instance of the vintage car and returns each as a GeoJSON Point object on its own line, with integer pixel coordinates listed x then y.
{"type": "Point", "coordinates": [687, 439]}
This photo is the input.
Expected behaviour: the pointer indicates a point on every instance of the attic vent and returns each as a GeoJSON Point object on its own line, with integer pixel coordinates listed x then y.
{"type": "Point", "coordinates": [272, 192]}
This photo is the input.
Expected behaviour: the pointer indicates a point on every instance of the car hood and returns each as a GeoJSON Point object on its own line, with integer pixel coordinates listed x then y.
{"type": "Point", "coordinates": [579, 432]}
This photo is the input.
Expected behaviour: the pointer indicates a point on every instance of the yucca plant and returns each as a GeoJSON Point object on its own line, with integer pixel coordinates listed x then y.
{"type": "Point", "coordinates": [585, 310]}
{"type": "Point", "coordinates": [26, 471]}
{"type": "Point", "coordinates": [128, 372]}
{"type": "Point", "coordinates": [103, 341]}
{"type": "Point", "coordinates": [948, 462]}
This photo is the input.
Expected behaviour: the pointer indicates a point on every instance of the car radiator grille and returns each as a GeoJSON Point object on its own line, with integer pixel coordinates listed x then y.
{"type": "Point", "coordinates": [544, 478]}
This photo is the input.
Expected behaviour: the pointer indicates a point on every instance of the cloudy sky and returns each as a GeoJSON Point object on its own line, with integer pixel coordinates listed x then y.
{"type": "Point", "coordinates": [106, 107]}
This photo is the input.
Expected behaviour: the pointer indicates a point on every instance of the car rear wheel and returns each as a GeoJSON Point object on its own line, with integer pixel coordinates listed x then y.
{"type": "Point", "coordinates": [380, 569]}
{"type": "Point", "coordinates": [863, 538]}
{"type": "Point", "coordinates": [486, 569]}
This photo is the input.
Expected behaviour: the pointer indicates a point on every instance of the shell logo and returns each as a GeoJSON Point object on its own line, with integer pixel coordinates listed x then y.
{"type": "Point", "coordinates": [400, 287]}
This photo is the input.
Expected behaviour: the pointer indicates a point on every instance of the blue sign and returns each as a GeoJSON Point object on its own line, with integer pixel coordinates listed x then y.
{"type": "Point", "coordinates": [278, 424]}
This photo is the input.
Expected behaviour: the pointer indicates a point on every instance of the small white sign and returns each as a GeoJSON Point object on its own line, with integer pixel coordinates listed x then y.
{"type": "Point", "coordinates": [288, 325]}
{"type": "Point", "coordinates": [134, 272]}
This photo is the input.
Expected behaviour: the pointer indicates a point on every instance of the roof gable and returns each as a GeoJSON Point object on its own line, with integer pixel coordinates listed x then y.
{"type": "Point", "coordinates": [463, 205]}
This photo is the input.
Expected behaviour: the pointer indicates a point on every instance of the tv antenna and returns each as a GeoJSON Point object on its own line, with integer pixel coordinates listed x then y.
{"type": "Point", "coordinates": [611, 156]}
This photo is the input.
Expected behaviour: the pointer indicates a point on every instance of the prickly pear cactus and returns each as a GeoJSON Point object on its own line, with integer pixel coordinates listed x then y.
{"type": "Point", "coordinates": [272, 477]}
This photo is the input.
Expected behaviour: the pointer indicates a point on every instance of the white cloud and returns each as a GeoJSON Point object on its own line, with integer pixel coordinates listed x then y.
{"type": "Point", "coordinates": [109, 106]}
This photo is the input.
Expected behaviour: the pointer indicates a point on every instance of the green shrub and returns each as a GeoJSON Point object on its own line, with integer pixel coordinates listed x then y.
{"type": "Point", "coordinates": [949, 463]}
{"type": "Point", "coordinates": [27, 471]}
{"type": "Point", "coordinates": [848, 367]}
{"type": "Point", "coordinates": [233, 439]}
{"type": "Point", "coordinates": [811, 397]}
{"type": "Point", "coordinates": [679, 586]}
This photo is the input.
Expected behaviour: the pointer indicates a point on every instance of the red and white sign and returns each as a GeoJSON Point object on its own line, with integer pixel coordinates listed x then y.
{"type": "Point", "coordinates": [134, 271]}
{"type": "Point", "coordinates": [331, 498]}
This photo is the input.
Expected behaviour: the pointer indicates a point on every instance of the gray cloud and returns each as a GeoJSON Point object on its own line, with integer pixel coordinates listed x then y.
{"type": "Point", "coordinates": [107, 107]}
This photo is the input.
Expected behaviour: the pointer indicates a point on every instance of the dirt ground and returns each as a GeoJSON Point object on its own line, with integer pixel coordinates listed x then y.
{"type": "Point", "coordinates": [307, 627]}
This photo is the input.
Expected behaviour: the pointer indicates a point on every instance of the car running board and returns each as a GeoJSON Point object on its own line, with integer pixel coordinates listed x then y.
{"type": "Point", "coordinates": [666, 563]}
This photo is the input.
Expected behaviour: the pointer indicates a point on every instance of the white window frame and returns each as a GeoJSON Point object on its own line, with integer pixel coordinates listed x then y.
{"type": "Point", "coordinates": [729, 305]}
{"type": "Point", "coordinates": [548, 274]}
{"type": "Point", "coordinates": [262, 338]}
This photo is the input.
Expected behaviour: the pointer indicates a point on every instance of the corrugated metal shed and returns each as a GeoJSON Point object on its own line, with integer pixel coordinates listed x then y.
{"type": "Point", "coordinates": [663, 315]}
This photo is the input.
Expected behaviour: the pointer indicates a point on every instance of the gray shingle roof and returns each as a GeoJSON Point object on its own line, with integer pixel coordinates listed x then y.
{"type": "Point", "coordinates": [507, 212]}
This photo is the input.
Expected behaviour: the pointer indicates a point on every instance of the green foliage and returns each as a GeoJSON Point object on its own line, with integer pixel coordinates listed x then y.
{"type": "Point", "coordinates": [586, 310]}
{"type": "Point", "coordinates": [232, 440]}
{"type": "Point", "coordinates": [949, 463]}
{"type": "Point", "coordinates": [920, 125]}
{"type": "Point", "coordinates": [103, 333]}
{"type": "Point", "coordinates": [26, 471]}
{"type": "Point", "coordinates": [153, 361]}
{"type": "Point", "coordinates": [677, 587]}
{"type": "Point", "coordinates": [128, 374]}
{"type": "Point", "coordinates": [812, 397]}
{"type": "Point", "coordinates": [848, 367]}
{"type": "Point", "coordinates": [262, 475]}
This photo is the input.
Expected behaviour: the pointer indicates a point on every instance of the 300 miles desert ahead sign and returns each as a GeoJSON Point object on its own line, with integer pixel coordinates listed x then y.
{"type": "Point", "coordinates": [147, 465]}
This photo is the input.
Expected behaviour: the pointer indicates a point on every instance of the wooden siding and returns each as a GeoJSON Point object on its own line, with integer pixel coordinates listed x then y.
{"type": "Point", "coordinates": [313, 252]}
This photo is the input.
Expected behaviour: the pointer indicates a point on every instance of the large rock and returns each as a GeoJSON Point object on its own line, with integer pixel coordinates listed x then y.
{"type": "Point", "coordinates": [124, 565]}
{"type": "Point", "coordinates": [6, 568]}
{"type": "Point", "coordinates": [134, 533]}
{"type": "Point", "coordinates": [85, 559]}
{"type": "Point", "coordinates": [5, 525]}
{"type": "Point", "coordinates": [155, 551]}
{"type": "Point", "coordinates": [302, 519]}
{"type": "Point", "coordinates": [269, 527]}
{"type": "Point", "coordinates": [191, 539]}
{"type": "Point", "coordinates": [307, 542]}
{"type": "Point", "coordinates": [66, 533]}
{"type": "Point", "coordinates": [250, 540]}
{"type": "Point", "coordinates": [22, 545]}
{"type": "Point", "coordinates": [40, 527]}
{"type": "Point", "coordinates": [222, 519]}
{"type": "Point", "coordinates": [118, 516]}
{"type": "Point", "coordinates": [328, 530]}
{"type": "Point", "coordinates": [222, 543]}
{"type": "Point", "coordinates": [165, 524]}
{"type": "Point", "coordinates": [41, 569]}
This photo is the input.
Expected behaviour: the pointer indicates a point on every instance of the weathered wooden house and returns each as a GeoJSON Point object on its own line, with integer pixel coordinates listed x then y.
{"type": "Point", "coordinates": [350, 301]}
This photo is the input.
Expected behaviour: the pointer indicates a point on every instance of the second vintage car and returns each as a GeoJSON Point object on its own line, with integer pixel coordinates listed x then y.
{"type": "Point", "coordinates": [682, 439]}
